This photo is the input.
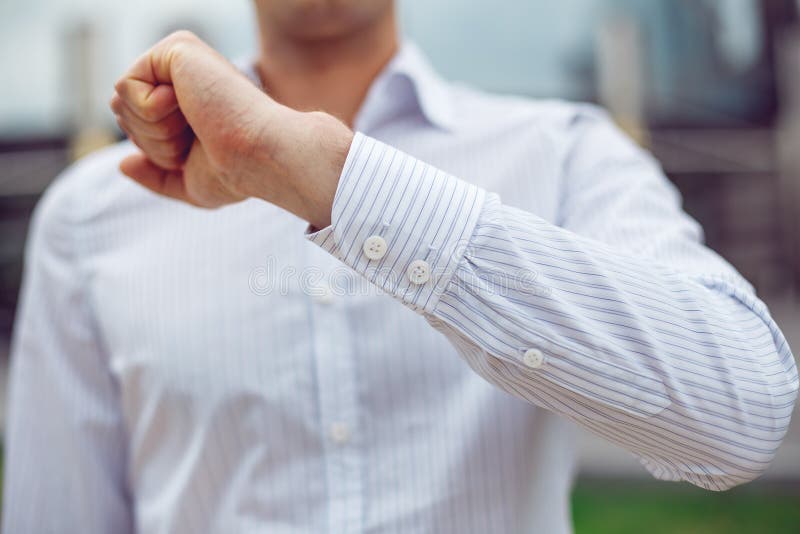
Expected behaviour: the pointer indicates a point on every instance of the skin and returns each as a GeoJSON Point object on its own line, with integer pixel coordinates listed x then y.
{"type": "Point", "coordinates": [208, 137]}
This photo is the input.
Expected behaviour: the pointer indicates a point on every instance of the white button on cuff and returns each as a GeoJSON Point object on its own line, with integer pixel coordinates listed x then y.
{"type": "Point", "coordinates": [340, 433]}
{"type": "Point", "coordinates": [375, 247]}
{"type": "Point", "coordinates": [419, 272]}
{"type": "Point", "coordinates": [533, 358]}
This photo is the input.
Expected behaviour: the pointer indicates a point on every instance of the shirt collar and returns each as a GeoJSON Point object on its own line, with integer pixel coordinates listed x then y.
{"type": "Point", "coordinates": [408, 78]}
{"type": "Point", "coordinates": [428, 91]}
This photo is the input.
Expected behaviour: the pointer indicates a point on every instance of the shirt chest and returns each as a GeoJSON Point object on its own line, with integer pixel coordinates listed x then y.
{"type": "Point", "coordinates": [216, 310]}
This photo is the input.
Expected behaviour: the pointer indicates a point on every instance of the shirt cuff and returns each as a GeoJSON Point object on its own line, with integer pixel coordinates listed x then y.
{"type": "Point", "coordinates": [399, 222]}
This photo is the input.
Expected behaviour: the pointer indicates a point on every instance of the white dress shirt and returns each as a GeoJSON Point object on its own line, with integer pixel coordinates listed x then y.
{"type": "Point", "coordinates": [496, 268]}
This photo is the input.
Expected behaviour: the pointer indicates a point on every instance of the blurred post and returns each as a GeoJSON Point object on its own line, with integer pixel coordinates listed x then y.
{"type": "Point", "coordinates": [88, 133]}
{"type": "Point", "coordinates": [787, 52]}
{"type": "Point", "coordinates": [619, 57]}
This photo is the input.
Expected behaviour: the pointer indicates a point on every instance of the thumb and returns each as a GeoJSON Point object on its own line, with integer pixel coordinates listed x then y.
{"type": "Point", "coordinates": [161, 181]}
{"type": "Point", "coordinates": [202, 182]}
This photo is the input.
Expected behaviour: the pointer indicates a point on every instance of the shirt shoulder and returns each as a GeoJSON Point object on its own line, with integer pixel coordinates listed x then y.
{"type": "Point", "coordinates": [555, 130]}
{"type": "Point", "coordinates": [477, 108]}
{"type": "Point", "coordinates": [88, 181]}
{"type": "Point", "coordinates": [84, 192]}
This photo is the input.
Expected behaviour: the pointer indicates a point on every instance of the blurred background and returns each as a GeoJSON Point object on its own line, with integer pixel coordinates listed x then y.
{"type": "Point", "coordinates": [712, 87]}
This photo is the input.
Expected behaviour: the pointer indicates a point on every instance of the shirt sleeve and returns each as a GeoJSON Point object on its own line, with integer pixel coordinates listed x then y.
{"type": "Point", "coordinates": [616, 317]}
{"type": "Point", "coordinates": [65, 458]}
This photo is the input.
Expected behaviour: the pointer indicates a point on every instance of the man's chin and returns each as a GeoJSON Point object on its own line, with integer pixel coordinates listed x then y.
{"type": "Point", "coordinates": [321, 20]}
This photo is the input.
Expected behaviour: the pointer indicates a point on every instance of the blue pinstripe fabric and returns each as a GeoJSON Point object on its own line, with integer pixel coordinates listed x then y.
{"type": "Point", "coordinates": [179, 370]}
{"type": "Point", "coordinates": [663, 350]}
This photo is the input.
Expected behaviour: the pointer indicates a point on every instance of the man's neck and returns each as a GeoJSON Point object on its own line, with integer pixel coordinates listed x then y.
{"type": "Point", "coordinates": [330, 75]}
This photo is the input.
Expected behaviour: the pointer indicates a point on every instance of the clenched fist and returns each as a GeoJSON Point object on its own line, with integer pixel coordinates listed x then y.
{"type": "Point", "coordinates": [209, 137]}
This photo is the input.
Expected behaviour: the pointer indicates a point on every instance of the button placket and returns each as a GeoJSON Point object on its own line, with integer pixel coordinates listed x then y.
{"type": "Point", "coordinates": [323, 294]}
{"type": "Point", "coordinates": [340, 433]}
{"type": "Point", "coordinates": [335, 370]}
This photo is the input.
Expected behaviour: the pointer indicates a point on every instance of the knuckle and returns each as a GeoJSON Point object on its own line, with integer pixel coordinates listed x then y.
{"type": "Point", "coordinates": [136, 141]}
{"type": "Point", "coordinates": [162, 132]}
{"type": "Point", "coordinates": [115, 103]}
{"type": "Point", "coordinates": [182, 35]}
{"type": "Point", "coordinates": [123, 127]}
{"type": "Point", "coordinates": [149, 113]}
{"type": "Point", "coordinates": [170, 129]}
{"type": "Point", "coordinates": [121, 89]}
{"type": "Point", "coordinates": [180, 41]}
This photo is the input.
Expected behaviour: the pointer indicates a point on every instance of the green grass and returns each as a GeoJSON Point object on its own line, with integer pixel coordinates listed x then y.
{"type": "Point", "coordinates": [600, 507]}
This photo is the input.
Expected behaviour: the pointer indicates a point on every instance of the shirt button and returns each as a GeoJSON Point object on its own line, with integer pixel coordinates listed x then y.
{"type": "Point", "coordinates": [533, 358]}
{"type": "Point", "coordinates": [375, 247]}
{"type": "Point", "coordinates": [419, 272]}
{"type": "Point", "coordinates": [323, 295]}
{"type": "Point", "coordinates": [340, 433]}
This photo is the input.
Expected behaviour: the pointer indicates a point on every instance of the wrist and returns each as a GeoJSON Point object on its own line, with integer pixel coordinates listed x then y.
{"type": "Point", "coordinates": [326, 142]}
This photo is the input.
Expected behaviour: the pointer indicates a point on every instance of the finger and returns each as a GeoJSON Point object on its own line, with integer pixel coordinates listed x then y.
{"type": "Point", "coordinates": [147, 85]}
{"type": "Point", "coordinates": [166, 183]}
{"type": "Point", "coordinates": [166, 153]}
{"type": "Point", "coordinates": [150, 102]}
{"type": "Point", "coordinates": [165, 157]}
{"type": "Point", "coordinates": [154, 67]}
{"type": "Point", "coordinates": [122, 126]}
{"type": "Point", "coordinates": [166, 128]}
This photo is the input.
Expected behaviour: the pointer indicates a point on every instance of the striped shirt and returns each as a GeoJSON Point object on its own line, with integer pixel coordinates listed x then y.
{"type": "Point", "coordinates": [496, 270]}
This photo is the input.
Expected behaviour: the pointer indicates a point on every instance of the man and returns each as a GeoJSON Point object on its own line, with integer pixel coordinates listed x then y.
{"type": "Point", "coordinates": [179, 369]}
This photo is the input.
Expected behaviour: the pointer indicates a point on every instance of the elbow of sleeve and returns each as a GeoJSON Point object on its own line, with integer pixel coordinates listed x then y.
{"type": "Point", "coordinates": [764, 410]}
{"type": "Point", "coordinates": [722, 482]}
{"type": "Point", "coordinates": [733, 467]}
{"type": "Point", "coordinates": [770, 426]}
{"type": "Point", "coordinates": [715, 475]}
{"type": "Point", "coordinates": [738, 465]}
{"type": "Point", "coordinates": [754, 432]}
{"type": "Point", "coordinates": [757, 443]}
{"type": "Point", "coordinates": [719, 473]}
